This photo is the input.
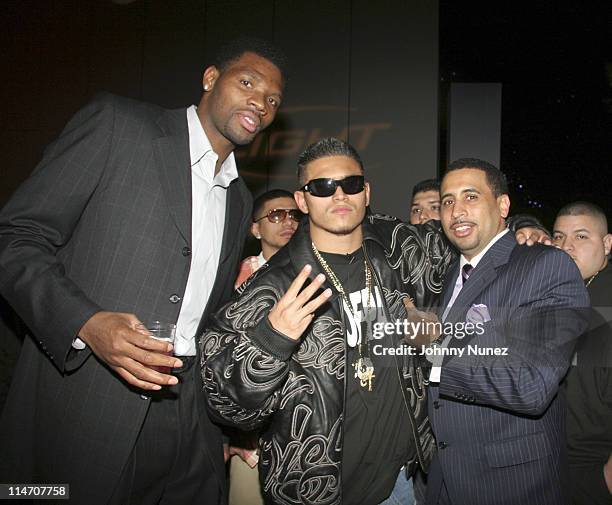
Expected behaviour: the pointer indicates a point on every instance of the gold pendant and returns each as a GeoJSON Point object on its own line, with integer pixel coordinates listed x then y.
{"type": "Point", "coordinates": [357, 366]}
{"type": "Point", "coordinates": [364, 371]}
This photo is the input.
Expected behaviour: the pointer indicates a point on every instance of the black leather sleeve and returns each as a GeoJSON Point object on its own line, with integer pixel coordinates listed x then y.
{"type": "Point", "coordinates": [244, 360]}
{"type": "Point", "coordinates": [519, 221]}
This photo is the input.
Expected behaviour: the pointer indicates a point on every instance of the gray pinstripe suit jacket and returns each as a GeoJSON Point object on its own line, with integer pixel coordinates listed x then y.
{"type": "Point", "coordinates": [103, 223]}
{"type": "Point", "coordinates": [499, 421]}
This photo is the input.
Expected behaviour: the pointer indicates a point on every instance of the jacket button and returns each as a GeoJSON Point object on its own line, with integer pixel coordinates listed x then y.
{"type": "Point", "coordinates": [144, 397]}
{"type": "Point", "coordinates": [436, 404]}
{"type": "Point", "coordinates": [186, 251]}
{"type": "Point", "coordinates": [442, 445]}
{"type": "Point", "coordinates": [175, 299]}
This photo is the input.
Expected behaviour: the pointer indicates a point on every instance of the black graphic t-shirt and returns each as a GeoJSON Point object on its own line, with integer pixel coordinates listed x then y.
{"type": "Point", "coordinates": [376, 434]}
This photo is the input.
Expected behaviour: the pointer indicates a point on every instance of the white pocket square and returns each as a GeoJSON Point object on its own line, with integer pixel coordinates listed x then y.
{"type": "Point", "coordinates": [478, 313]}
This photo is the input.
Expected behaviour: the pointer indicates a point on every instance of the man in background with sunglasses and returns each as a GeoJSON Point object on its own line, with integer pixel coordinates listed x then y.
{"type": "Point", "coordinates": [275, 219]}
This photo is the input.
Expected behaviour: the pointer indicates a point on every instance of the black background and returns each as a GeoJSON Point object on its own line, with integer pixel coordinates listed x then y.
{"type": "Point", "coordinates": [554, 61]}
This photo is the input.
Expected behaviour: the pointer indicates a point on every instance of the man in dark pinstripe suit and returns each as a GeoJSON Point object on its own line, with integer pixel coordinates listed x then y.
{"type": "Point", "coordinates": [495, 404]}
{"type": "Point", "coordinates": [135, 213]}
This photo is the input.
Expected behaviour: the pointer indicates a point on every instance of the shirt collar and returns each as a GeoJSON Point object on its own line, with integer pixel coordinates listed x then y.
{"type": "Point", "coordinates": [199, 148]}
{"type": "Point", "coordinates": [476, 259]}
{"type": "Point", "coordinates": [261, 260]}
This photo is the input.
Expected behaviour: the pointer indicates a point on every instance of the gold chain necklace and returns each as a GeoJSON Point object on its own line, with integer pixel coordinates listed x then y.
{"type": "Point", "coordinates": [591, 279]}
{"type": "Point", "coordinates": [364, 367]}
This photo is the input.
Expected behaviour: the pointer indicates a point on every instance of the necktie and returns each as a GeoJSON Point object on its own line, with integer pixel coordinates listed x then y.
{"type": "Point", "coordinates": [466, 271]}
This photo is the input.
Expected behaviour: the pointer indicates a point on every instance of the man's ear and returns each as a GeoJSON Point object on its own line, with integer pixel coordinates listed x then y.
{"type": "Point", "coordinates": [300, 199]}
{"type": "Point", "coordinates": [211, 74]}
{"type": "Point", "coordinates": [503, 201]}
{"type": "Point", "coordinates": [255, 230]}
{"type": "Point", "coordinates": [607, 240]}
{"type": "Point", "coordinates": [367, 193]}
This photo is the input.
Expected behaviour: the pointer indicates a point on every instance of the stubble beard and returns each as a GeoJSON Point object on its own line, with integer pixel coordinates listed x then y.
{"type": "Point", "coordinates": [466, 247]}
{"type": "Point", "coordinates": [237, 135]}
{"type": "Point", "coordinates": [340, 229]}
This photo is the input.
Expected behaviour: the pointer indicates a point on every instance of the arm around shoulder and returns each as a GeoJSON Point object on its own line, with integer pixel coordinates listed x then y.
{"type": "Point", "coordinates": [420, 254]}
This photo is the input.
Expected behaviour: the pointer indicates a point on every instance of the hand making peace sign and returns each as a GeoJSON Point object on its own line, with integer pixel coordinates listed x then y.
{"type": "Point", "coordinates": [295, 310]}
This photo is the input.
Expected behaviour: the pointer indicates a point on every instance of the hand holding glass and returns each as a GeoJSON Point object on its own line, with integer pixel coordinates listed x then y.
{"type": "Point", "coordinates": [161, 331]}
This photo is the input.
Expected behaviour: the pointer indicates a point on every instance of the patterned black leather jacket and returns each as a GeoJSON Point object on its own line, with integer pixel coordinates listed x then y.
{"type": "Point", "coordinates": [294, 391]}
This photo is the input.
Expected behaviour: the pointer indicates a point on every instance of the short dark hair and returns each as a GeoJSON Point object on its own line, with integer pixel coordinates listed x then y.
{"type": "Point", "coordinates": [235, 48]}
{"type": "Point", "coordinates": [495, 177]}
{"type": "Point", "coordinates": [582, 208]}
{"type": "Point", "coordinates": [264, 198]}
{"type": "Point", "coordinates": [324, 148]}
{"type": "Point", "coordinates": [426, 185]}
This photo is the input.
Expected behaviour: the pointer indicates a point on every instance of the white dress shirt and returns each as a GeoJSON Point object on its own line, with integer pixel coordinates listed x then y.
{"type": "Point", "coordinates": [208, 197]}
{"type": "Point", "coordinates": [436, 369]}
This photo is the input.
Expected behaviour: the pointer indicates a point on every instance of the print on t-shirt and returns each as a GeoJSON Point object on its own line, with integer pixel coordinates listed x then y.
{"type": "Point", "coordinates": [361, 307]}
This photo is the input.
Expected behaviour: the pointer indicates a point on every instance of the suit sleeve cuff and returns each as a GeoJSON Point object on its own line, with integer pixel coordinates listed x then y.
{"type": "Point", "coordinates": [455, 383]}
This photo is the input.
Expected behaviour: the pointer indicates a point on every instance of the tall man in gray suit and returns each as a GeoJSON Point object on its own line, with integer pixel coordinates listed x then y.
{"type": "Point", "coordinates": [494, 403]}
{"type": "Point", "coordinates": [135, 213]}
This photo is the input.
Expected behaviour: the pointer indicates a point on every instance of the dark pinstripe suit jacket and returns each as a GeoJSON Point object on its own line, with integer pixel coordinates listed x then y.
{"type": "Point", "coordinates": [103, 223]}
{"type": "Point", "coordinates": [499, 421]}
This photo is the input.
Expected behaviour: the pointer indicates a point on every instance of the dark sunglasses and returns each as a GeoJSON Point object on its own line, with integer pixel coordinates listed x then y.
{"type": "Point", "coordinates": [278, 215]}
{"type": "Point", "coordinates": [350, 185]}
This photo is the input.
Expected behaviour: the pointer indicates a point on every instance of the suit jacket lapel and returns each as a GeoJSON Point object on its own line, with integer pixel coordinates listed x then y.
{"type": "Point", "coordinates": [234, 212]}
{"type": "Point", "coordinates": [174, 165]}
{"type": "Point", "coordinates": [483, 275]}
{"type": "Point", "coordinates": [450, 280]}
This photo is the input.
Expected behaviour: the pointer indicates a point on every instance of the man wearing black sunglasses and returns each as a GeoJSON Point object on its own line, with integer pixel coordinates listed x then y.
{"type": "Point", "coordinates": [299, 353]}
{"type": "Point", "coordinates": [295, 354]}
